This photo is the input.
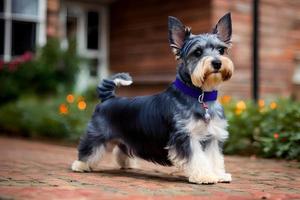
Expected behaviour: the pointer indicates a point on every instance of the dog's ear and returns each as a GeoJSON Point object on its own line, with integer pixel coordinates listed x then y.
{"type": "Point", "coordinates": [223, 29]}
{"type": "Point", "coordinates": [177, 34]}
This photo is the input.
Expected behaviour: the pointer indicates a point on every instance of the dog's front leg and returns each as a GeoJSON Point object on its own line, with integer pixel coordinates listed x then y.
{"type": "Point", "coordinates": [198, 168]}
{"type": "Point", "coordinates": [186, 153]}
{"type": "Point", "coordinates": [216, 158]}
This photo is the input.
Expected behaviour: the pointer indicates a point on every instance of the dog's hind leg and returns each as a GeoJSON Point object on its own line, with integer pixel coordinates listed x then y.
{"type": "Point", "coordinates": [90, 150]}
{"type": "Point", "coordinates": [93, 145]}
{"type": "Point", "coordinates": [122, 157]}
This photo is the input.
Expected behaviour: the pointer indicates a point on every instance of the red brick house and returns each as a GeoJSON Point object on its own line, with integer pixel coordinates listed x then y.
{"type": "Point", "coordinates": [131, 35]}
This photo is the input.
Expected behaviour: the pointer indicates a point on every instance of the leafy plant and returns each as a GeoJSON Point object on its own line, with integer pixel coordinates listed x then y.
{"type": "Point", "coordinates": [270, 130]}
{"type": "Point", "coordinates": [51, 71]}
{"type": "Point", "coordinates": [56, 118]}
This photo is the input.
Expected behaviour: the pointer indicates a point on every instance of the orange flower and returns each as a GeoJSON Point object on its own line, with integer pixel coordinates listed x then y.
{"type": "Point", "coordinates": [70, 98]}
{"type": "Point", "coordinates": [261, 103]}
{"type": "Point", "coordinates": [225, 99]}
{"type": "Point", "coordinates": [81, 105]}
{"type": "Point", "coordinates": [273, 105]}
{"type": "Point", "coordinates": [63, 109]}
{"type": "Point", "coordinates": [276, 135]}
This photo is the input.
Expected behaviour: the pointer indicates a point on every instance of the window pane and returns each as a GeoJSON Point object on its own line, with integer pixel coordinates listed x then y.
{"type": "Point", "coordinates": [1, 6]}
{"type": "Point", "coordinates": [23, 37]}
{"type": "Point", "coordinates": [71, 27]}
{"type": "Point", "coordinates": [26, 7]}
{"type": "Point", "coordinates": [94, 67]}
{"type": "Point", "coordinates": [1, 37]}
{"type": "Point", "coordinates": [92, 30]}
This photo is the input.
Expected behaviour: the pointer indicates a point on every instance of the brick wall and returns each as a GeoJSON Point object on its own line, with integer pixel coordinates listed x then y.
{"type": "Point", "coordinates": [139, 39]}
{"type": "Point", "coordinates": [240, 52]}
{"type": "Point", "coordinates": [279, 44]}
{"type": "Point", "coordinates": [139, 43]}
{"type": "Point", "coordinates": [53, 29]}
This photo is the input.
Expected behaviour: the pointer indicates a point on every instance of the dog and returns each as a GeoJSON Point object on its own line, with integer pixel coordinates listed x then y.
{"type": "Point", "coordinates": [184, 126]}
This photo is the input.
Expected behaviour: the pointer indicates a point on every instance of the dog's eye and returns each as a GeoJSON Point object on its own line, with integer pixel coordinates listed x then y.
{"type": "Point", "coordinates": [221, 50]}
{"type": "Point", "coordinates": [198, 52]}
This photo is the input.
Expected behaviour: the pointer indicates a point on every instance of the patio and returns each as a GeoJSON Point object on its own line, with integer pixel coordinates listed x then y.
{"type": "Point", "coordinates": [35, 170]}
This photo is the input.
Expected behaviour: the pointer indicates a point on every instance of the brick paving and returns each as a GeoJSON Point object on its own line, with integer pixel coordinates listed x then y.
{"type": "Point", "coordinates": [34, 170]}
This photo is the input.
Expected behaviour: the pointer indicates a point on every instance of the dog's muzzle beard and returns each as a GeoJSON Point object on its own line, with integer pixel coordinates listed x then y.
{"type": "Point", "coordinates": [206, 77]}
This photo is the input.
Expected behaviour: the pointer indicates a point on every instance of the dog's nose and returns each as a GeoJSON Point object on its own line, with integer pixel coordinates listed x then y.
{"type": "Point", "coordinates": [216, 64]}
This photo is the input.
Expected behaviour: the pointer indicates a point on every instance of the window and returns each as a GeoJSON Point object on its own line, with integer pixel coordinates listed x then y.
{"type": "Point", "coordinates": [92, 30]}
{"type": "Point", "coordinates": [1, 29]}
{"type": "Point", "coordinates": [23, 37]}
{"type": "Point", "coordinates": [87, 23]}
{"type": "Point", "coordinates": [1, 37]}
{"type": "Point", "coordinates": [25, 7]}
{"type": "Point", "coordinates": [1, 6]}
{"type": "Point", "coordinates": [21, 21]}
{"type": "Point", "coordinates": [71, 28]}
{"type": "Point", "coordinates": [94, 63]}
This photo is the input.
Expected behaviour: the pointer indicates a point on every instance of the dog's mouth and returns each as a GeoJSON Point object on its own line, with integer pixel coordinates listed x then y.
{"type": "Point", "coordinates": [213, 75]}
{"type": "Point", "coordinates": [215, 72]}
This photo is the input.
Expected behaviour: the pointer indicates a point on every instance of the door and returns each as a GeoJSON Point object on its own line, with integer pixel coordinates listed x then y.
{"type": "Point", "coordinates": [87, 25]}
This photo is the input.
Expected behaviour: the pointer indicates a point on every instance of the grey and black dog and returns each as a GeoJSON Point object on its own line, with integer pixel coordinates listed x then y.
{"type": "Point", "coordinates": [183, 126]}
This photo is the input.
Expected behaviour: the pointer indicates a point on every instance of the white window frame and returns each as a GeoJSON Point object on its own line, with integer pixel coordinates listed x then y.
{"type": "Point", "coordinates": [8, 17]}
{"type": "Point", "coordinates": [103, 48]}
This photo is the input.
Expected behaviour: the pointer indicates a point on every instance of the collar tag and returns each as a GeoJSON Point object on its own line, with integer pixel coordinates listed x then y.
{"type": "Point", "coordinates": [205, 107]}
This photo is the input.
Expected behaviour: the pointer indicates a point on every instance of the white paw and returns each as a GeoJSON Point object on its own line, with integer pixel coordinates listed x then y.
{"type": "Point", "coordinates": [225, 178]}
{"type": "Point", "coordinates": [130, 163]}
{"type": "Point", "coordinates": [204, 179]}
{"type": "Point", "coordinates": [79, 166]}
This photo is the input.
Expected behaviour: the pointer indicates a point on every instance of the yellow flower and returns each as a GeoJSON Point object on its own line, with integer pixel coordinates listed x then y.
{"type": "Point", "coordinates": [273, 105]}
{"type": "Point", "coordinates": [225, 99]}
{"type": "Point", "coordinates": [241, 105]}
{"type": "Point", "coordinates": [238, 111]}
{"type": "Point", "coordinates": [70, 98]}
{"type": "Point", "coordinates": [81, 105]}
{"type": "Point", "coordinates": [261, 103]}
{"type": "Point", "coordinates": [262, 110]}
{"type": "Point", "coordinates": [63, 109]}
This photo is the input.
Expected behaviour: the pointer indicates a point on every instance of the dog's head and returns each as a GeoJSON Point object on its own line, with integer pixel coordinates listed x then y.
{"type": "Point", "coordinates": [204, 56]}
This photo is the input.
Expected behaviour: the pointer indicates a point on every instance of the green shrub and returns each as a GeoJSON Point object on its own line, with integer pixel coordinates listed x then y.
{"type": "Point", "coordinates": [46, 118]}
{"type": "Point", "coordinates": [271, 130]}
{"type": "Point", "coordinates": [90, 94]}
{"type": "Point", "coordinates": [267, 129]}
{"type": "Point", "coordinates": [51, 71]}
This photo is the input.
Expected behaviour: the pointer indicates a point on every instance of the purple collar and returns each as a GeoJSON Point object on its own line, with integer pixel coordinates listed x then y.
{"type": "Point", "coordinates": [195, 93]}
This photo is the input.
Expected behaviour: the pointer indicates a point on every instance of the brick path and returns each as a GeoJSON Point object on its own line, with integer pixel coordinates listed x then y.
{"type": "Point", "coordinates": [32, 170]}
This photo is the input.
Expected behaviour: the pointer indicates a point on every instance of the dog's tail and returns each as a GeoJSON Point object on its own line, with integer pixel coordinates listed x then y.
{"type": "Point", "coordinates": [106, 88]}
